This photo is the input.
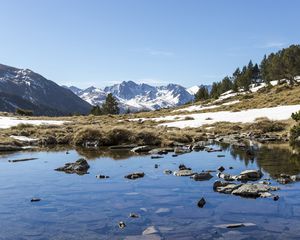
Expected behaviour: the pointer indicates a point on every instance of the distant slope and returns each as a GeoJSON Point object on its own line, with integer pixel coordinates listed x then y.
{"type": "Point", "coordinates": [39, 94]}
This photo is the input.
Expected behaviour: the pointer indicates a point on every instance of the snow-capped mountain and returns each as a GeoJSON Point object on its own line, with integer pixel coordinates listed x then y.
{"type": "Point", "coordinates": [138, 97]}
{"type": "Point", "coordinates": [23, 88]}
{"type": "Point", "coordinates": [193, 90]}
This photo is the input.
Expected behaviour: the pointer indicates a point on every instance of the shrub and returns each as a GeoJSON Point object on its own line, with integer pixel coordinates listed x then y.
{"type": "Point", "coordinates": [24, 112]}
{"type": "Point", "coordinates": [147, 138]}
{"type": "Point", "coordinates": [295, 135]}
{"type": "Point", "coordinates": [119, 135]}
{"type": "Point", "coordinates": [87, 134]}
{"type": "Point", "coordinates": [189, 118]}
{"type": "Point", "coordinates": [22, 126]}
{"type": "Point", "coordinates": [266, 125]}
{"type": "Point", "coordinates": [296, 116]}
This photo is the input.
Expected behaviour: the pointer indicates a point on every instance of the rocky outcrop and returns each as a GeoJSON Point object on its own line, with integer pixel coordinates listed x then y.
{"type": "Point", "coordinates": [250, 190]}
{"type": "Point", "coordinates": [79, 167]}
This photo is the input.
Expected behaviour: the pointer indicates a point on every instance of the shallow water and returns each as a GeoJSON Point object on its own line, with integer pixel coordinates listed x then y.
{"type": "Point", "coordinates": [83, 207]}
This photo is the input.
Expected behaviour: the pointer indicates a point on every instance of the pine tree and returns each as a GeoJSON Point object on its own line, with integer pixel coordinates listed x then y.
{"type": "Point", "coordinates": [263, 69]}
{"type": "Point", "coordinates": [96, 110]}
{"type": "Point", "coordinates": [202, 94]}
{"type": "Point", "coordinates": [255, 73]}
{"type": "Point", "coordinates": [110, 106]}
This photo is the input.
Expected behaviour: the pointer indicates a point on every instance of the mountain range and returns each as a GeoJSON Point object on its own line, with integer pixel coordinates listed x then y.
{"type": "Point", "coordinates": [139, 97]}
{"type": "Point", "coordinates": [25, 89]}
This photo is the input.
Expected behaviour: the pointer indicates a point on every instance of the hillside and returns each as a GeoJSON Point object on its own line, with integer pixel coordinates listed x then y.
{"type": "Point", "coordinates": [39, 94]}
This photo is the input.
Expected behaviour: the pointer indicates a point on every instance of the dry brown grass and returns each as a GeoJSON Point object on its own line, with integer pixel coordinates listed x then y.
{"type": "Point", "coordinates": [117, 129]}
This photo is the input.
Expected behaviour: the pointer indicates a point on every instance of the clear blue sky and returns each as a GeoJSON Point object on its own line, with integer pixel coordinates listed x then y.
{"type": "Point", "coordinates": [101, 42]}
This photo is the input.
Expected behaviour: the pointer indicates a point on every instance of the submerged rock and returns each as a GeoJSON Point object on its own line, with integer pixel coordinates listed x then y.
{"type": "Point", "coordinates": [168, 172]}
{"type": "Point", "coordinates": [236, 225]}
{"type": "Point", "coordinates": [135, 175]}
{"type": "Point", "coordinates": [201, 203]}
{"type": "Point", "coordinates": [141, 149]}
{"type": "Point", "coordinates": [35, 200]}
{"type": "Point", "coordinates": [156, 157]}
{"type": "Point", "coordinates": [79, 167]}
{"type": "Point", "coordinates": [101, 176]}
{"type": "Point", "coordinates": [150, 230]}
{"type": "Point", "coordinates": [183, 173]}
{"type": "Point", "coordinates": [202, 176]}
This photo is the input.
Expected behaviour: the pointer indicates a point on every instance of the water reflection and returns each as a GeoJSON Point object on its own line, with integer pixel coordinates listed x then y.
{"type": "Point", "coordinates": [93, 154]}
{"type": "Point", "coordinates": [272, 158]}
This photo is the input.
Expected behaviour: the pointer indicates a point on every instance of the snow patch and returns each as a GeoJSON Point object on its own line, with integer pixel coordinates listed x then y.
{"type": "Point", "coordinates": [204, 107]}
{"type": "Point", "coordinates": [245, 116]}
{"type": "Point", "coordinates": [7, 122]}
{"type": "Point", "coordinates": [24, 138]}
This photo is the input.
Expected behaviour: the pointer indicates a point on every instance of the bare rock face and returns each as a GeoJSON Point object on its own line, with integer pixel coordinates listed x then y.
{"type": "Point", "coordinates": [79, 167]}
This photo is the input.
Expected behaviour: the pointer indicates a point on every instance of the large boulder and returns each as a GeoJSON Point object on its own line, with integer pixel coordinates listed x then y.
{"type": "Point", "coordinates": [250, 175]}
{"type": "Point", "coordinates": [251, 190]}
{"type": "Point", "coordinates": [79, 167]}
{"type": "Point", "coordinates": [202, 176]}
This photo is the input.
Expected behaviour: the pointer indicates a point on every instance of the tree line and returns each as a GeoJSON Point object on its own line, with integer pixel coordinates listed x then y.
{"type": "Point", "coordinates": [284, 64]}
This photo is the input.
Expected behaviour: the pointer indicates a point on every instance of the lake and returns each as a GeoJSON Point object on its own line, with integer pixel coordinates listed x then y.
{"type": "Point", "coordinates": [84, 207]}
